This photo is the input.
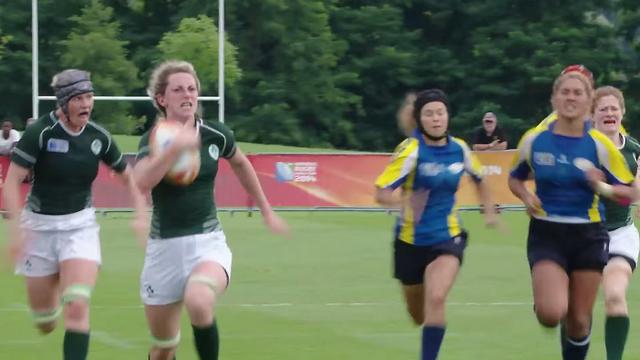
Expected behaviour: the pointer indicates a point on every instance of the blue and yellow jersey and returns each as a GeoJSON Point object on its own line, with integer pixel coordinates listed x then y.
{"type": "Point", "coordinates": [544, 124]}
{"type": "Point", "coordinates": [429, 177]}
{"type": "Point", "coordinates": [562, 186]}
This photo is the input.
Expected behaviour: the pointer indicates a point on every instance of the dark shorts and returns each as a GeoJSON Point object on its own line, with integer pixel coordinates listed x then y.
{"type": "Point", "coordinates": [411, 260]}
{"type": "Point", "coordinates": [572, 246]}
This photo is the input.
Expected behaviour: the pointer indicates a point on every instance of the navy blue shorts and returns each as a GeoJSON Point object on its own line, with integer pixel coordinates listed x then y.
{"type": "Point", "coordinates": [572, 246]}
{"type": "Point", "coordinates": [411, 260]}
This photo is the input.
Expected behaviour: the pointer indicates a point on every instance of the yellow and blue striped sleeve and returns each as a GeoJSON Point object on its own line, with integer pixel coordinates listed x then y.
{"type": "Point", "coordinates": [402, 164]}
{"type": "Point", "coordinates": [544, 124]}
{"type": "Point", "coordinates": [611, 159]}
{"type": "Point", "coordinates": [472, 165]}
{"type": "Point", "coordinates": [521, 165]}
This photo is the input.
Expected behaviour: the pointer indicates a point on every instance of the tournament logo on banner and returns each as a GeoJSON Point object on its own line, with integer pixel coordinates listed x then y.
{"type": "Point", "coordinates": [303, 172]}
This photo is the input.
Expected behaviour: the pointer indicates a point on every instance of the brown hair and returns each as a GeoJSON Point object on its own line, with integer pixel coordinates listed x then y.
{"type": "Point", "coordinates": [608, 91]}
{"type": "Point", "coordinates": [160, 79]}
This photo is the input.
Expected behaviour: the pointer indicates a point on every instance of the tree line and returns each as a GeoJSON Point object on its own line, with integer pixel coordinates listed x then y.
{"type": "Point", "coordinates": [326, 73]}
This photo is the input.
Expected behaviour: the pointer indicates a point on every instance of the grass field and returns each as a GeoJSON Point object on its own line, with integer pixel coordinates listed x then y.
{"type": "Point", "coordinates": [128, 143]}
{"type": "Point", "coordinates": [327, 293]}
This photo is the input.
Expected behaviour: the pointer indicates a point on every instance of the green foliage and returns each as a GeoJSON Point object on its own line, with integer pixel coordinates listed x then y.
{"type": "Point", "coordinates": [329, 72]}
{"type": "Point", "coordinates": [4, 39]}
{"type": "Point", "coordinates": [381, 54]}
{"type": "Point", "coordinates": [504, 55]}
{"type": "Point", "coordinates": [196, 41]}
{"type": "Point", "coordinates": [293, 88]}
{"type": "Point", "coordinates": [93, 45]}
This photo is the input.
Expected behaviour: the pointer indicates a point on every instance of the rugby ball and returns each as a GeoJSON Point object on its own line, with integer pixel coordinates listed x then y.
{"type": "Point", "coordinates": [187, 166]}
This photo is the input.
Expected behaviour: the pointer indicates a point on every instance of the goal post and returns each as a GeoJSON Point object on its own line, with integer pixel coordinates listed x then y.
{"type": "Point", "coordinates": [36, 97]}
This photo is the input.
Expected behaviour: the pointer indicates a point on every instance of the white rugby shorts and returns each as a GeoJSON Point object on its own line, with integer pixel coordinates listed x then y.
{"type": "Point", "coordinates": [51, 239]}
{"type": "Point", "coordinates": [168, 263]}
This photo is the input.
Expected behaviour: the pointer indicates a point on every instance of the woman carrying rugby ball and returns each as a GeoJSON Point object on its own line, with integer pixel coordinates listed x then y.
{"type": "Point", "coordinates": [187, 260]}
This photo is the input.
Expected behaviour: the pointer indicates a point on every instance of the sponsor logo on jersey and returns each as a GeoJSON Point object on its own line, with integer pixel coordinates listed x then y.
{"type": "Point", "coordinates": [214, 152]}
{"type": "Point", "coordinates": [58, 145]}
{"type": "Point", "coordinates": [96, 146]}
{"type": "Point", "coordinates": [562, 159]}
{"type": "Point", "coordinates": [456, 167]}
{"type": "Point", "coordinates": [544, 158]}
{"type": "Point", "coordinates": [431, 169]}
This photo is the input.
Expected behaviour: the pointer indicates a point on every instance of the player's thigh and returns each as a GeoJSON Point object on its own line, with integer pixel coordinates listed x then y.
{"type": "Point", "coordinates": [584, 286]}
{"type": "Point", "coordinates": [414, 297]}
{"type": "Point", "coordinates": [78, 272]}
{"type": "Point", "coordinates": [207, 277]}
{"type": "Point", "coordinates": [42, 292]}
{"type": "Point", "coordinates": [616, 275]}
{"type": "Point", "coordinates": [550, 284]}
{"type": "Point", "coordinates": [440, 275]}
{"type": "Point", "coordinates": [163, 320]}
{"type": "Point", "coordinates": [80, 256]}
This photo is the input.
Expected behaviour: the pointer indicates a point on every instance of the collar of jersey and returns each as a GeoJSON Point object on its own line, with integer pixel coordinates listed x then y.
{"type": "Point", "coordinates": [55, 119]}
{"type": "Point", "coordinates": [587, 127]}
{"type": "Point", "coordinates": [418, 135]}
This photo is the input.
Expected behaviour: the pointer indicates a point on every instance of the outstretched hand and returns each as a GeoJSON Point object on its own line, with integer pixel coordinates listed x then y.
{"type": "Point", "coordinates": [276, 224]}
{"type": "Point", "coordinates": [533, 204]}
{"type": "Point", "coordinates": [187, 138]}
{"type": "Point", "coordinates": [16, 247]}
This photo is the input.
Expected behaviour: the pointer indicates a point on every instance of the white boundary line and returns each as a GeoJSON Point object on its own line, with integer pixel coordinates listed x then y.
{"type": "Point", "coordinates": [108, 339]}
{"type": "Point", "coordinates": [23, 308]}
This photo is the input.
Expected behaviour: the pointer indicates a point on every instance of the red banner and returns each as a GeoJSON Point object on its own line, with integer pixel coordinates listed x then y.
{"type": "Point", "coordinates": [311, 180]}
{"type": "Point", "coordinates": [306, 180]}
{"type": "Point", "coordinates": [4, 168]}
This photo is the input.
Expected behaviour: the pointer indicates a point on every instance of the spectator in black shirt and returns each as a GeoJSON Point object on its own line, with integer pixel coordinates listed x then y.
{"type": "Point", "coordinates": [490, 136]}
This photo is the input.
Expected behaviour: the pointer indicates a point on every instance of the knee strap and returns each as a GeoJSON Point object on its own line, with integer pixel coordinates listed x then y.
{"type": "Point", "coordinates": [76, 291]}
{"type": "Point", "coordinates": [165, 343]}
{"type": "Point", "coordinates": [206, 280]}
{"type": "Point", "coordinates": [43, 317]}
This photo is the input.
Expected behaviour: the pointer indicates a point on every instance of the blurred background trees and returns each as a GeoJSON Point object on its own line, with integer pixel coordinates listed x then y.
{"type": "Point", "coordinates": [327, 73]}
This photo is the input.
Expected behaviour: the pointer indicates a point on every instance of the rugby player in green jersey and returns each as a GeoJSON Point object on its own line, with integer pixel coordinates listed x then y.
{"type": "Point", "coordinates": [187, 259]}
{"type": "Point", "coordinates": [55, 241]}
{"type": "Point", "coordinates": [624, 243]}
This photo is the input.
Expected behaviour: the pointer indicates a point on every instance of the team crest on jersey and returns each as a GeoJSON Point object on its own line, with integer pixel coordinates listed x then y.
{"type": "Point", "coordinates": [96, 146]}
{"type": "Point", "coordinates": [214, 152]}
{"type": "Point", "coordinates": [58, 145]}
{"type": "Point", "coordinates": [544, 158]}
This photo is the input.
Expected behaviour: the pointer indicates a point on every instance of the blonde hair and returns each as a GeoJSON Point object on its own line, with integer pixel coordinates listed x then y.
{"type": "Point", "coordinates": [608, 91]}
{"type": "Point", "coordinates": [404, 115]}
{"type": "Point", "coordinates": [573, 75]}
{"type": "Point", "coordinates": [160, 79]}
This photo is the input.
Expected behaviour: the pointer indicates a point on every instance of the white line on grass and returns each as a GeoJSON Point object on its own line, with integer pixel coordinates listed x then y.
{"type": "Point", "coordinates": [106, 338]}
{"type": "Point", "coordinates": [23, 308]}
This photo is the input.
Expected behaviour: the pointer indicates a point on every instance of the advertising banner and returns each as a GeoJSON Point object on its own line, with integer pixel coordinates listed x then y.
{"type": "Point", "coordinates": [307, 181]}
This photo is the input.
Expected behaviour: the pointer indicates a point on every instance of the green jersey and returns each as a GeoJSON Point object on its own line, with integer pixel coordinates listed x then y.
{"type": "Point", "coordinates": [187, 210]}
{"type": "Point", "coordinates": [64, 163]}
{"type": "Point", "coordinates": [616, 215]}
